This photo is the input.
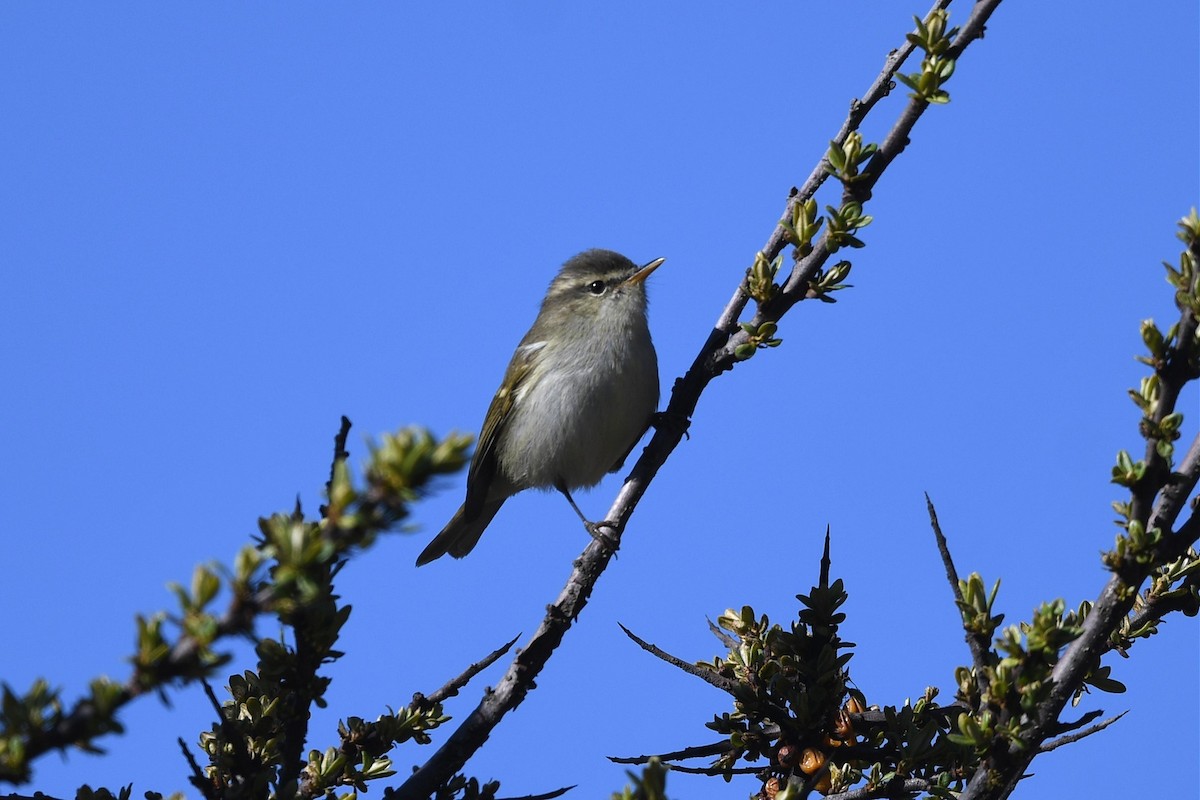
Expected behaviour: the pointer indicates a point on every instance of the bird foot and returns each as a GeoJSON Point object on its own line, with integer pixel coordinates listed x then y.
{"type": "Point", "coordinates": [673, 423]}
{"type": "Point", "coordinates": [600, 532]}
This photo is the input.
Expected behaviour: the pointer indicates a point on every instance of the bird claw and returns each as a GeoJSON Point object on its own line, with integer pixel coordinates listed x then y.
{"type": "Point", "coordinates": [596, 529]}
{"type": "Point", "coordinates": [663, 420]}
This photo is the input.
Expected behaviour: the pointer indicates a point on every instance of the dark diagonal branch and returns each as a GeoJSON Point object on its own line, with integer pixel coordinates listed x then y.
{"type": "Point", "coordinates": [796, 287]}
{"type": "Point", "coordinates": [716, 355]}
{"type": "Point", "coordinates": [882, 86]}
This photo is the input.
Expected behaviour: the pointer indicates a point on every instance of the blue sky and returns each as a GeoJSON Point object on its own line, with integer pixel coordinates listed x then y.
{"type": "Point", "coordinates": [223, 228]}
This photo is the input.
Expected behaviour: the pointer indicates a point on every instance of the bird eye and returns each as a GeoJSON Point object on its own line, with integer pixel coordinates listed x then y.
{"type": "Point", "coordinates": [596, 287]}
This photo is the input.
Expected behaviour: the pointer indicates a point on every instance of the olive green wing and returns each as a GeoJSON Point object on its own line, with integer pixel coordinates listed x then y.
{"type": "Point", "coordinates": [484, 463]}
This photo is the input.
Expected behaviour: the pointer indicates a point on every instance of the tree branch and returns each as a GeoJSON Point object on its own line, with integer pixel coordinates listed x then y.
{"type": "Point", "coordinates": [699, 751]}
{"type": "Point", "coordinates": [999, 774]}
{"type": "Point", "coordinates": [450, 689]}
{"type": "Point", "coordinates": [183, 663]}
{"type": "Point", "coordinates": [197, 777]}
{"type": "Point", "coordinates": [894, 789]}
{"type": "Point", "coordinates": [715, 357]}
{"type": "Point", "coordinates": [1075, 737]}
{"type": "Point", "coordinates": [543, 796]}
{"type": "Point", "coordinates": [706, 675]}
{"type": "Point", "coordinates": [1173, 498]}
{"type": "Point", "coordinates": [978, 644]}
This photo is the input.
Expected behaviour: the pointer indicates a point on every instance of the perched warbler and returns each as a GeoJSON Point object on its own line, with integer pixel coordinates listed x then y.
{"type": "Point", "coordinates": [579, 392]}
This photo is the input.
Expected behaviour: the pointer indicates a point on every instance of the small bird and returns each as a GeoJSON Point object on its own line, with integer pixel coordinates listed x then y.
{"type": "Point", "coordinates": [580, 391]}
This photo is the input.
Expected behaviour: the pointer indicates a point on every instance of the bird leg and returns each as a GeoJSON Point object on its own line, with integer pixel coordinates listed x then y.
{"type": "Point", "coordinates": [596, 529]}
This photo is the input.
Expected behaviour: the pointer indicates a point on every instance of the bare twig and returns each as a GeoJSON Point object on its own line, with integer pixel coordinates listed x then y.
{"type": "Point", "coordinates": [826, 563]}
{"type": "Point", "coordinates": [243, 765]}
{"type": "Point", "coordinates": [944, 550]}
{"type": "Point", "coordinates": [704, 674]}
{"type": "Point", "coordinates": [724, 637]}
{"type": "Point", "coordinates": [978, 643]}
{"type": "Point", "coordinates": [453, 685]}
{"type": "Point", "coordinates": [545, 796]}
{"type": "Point", "coordinates": [699, 751]}
{"type": "Point", "coordinates": [339, 454]}
{"type": "Point", "coordinates": [1075, 737]}
{"type": "Point", "coordinates": [713, 771]}
{"type": "Point", "coordinates": [1063, 727]}
{"type": "Point", "coordinates": [197, 778]}
{"type": "Point", "coordinates": [893, 789]}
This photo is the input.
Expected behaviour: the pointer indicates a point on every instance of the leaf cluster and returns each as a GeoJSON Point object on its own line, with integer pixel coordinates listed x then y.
{"type": "Point", "coordinates": [795, 706]}
{"type": "Point", "coordinates": [937, 66]}
{"type": "Point", "coordinates": [256, 748]}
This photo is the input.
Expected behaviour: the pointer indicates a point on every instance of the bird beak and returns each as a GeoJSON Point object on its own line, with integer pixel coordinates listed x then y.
{"type": "Point", "coordinates": [644, 272]}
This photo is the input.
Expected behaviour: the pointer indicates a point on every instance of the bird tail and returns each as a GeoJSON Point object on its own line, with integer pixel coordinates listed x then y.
{"type": "Point", "coordinates": [460, 535]}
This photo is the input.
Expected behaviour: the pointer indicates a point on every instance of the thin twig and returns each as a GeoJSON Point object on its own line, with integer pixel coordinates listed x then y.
{"type": "Point", "coordinates": [714, 771]}
{"type": "Point", "coordinates": [244, 766]}
{"type": "Point", "coordinates": [699, 751]}
{"type": "Point", "coordinates": [826, 563]}
{"type": "Point", "coordinates": [1075, 737]}
{"type": "Point", "coordinates": [453, 685]}
{"type": "Point", "coordinates": [1064, 727]}
{"type": "Point", "coordinates": [944, 550]}
{"type": "Point", "coordinates": [340, 453]}
{"type": "Point", "coordinates": [893, 789]}
{"type": "Point", "coordinates": [978, 643]}
{"type": "Point", "coordinates": [727, 640]}
{"type": "Point", "coordinates": [197, 778]}
{"type": "Point", "coordinates": [309, 652]}
{"type": "Point", "coordinates": [707, 675]}
{"type": "Point", "coordinates": [546, 796]}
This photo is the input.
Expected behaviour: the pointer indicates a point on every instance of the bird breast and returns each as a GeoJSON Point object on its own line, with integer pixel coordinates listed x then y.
{"type": "Point", "coordinates": [580, 410]}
